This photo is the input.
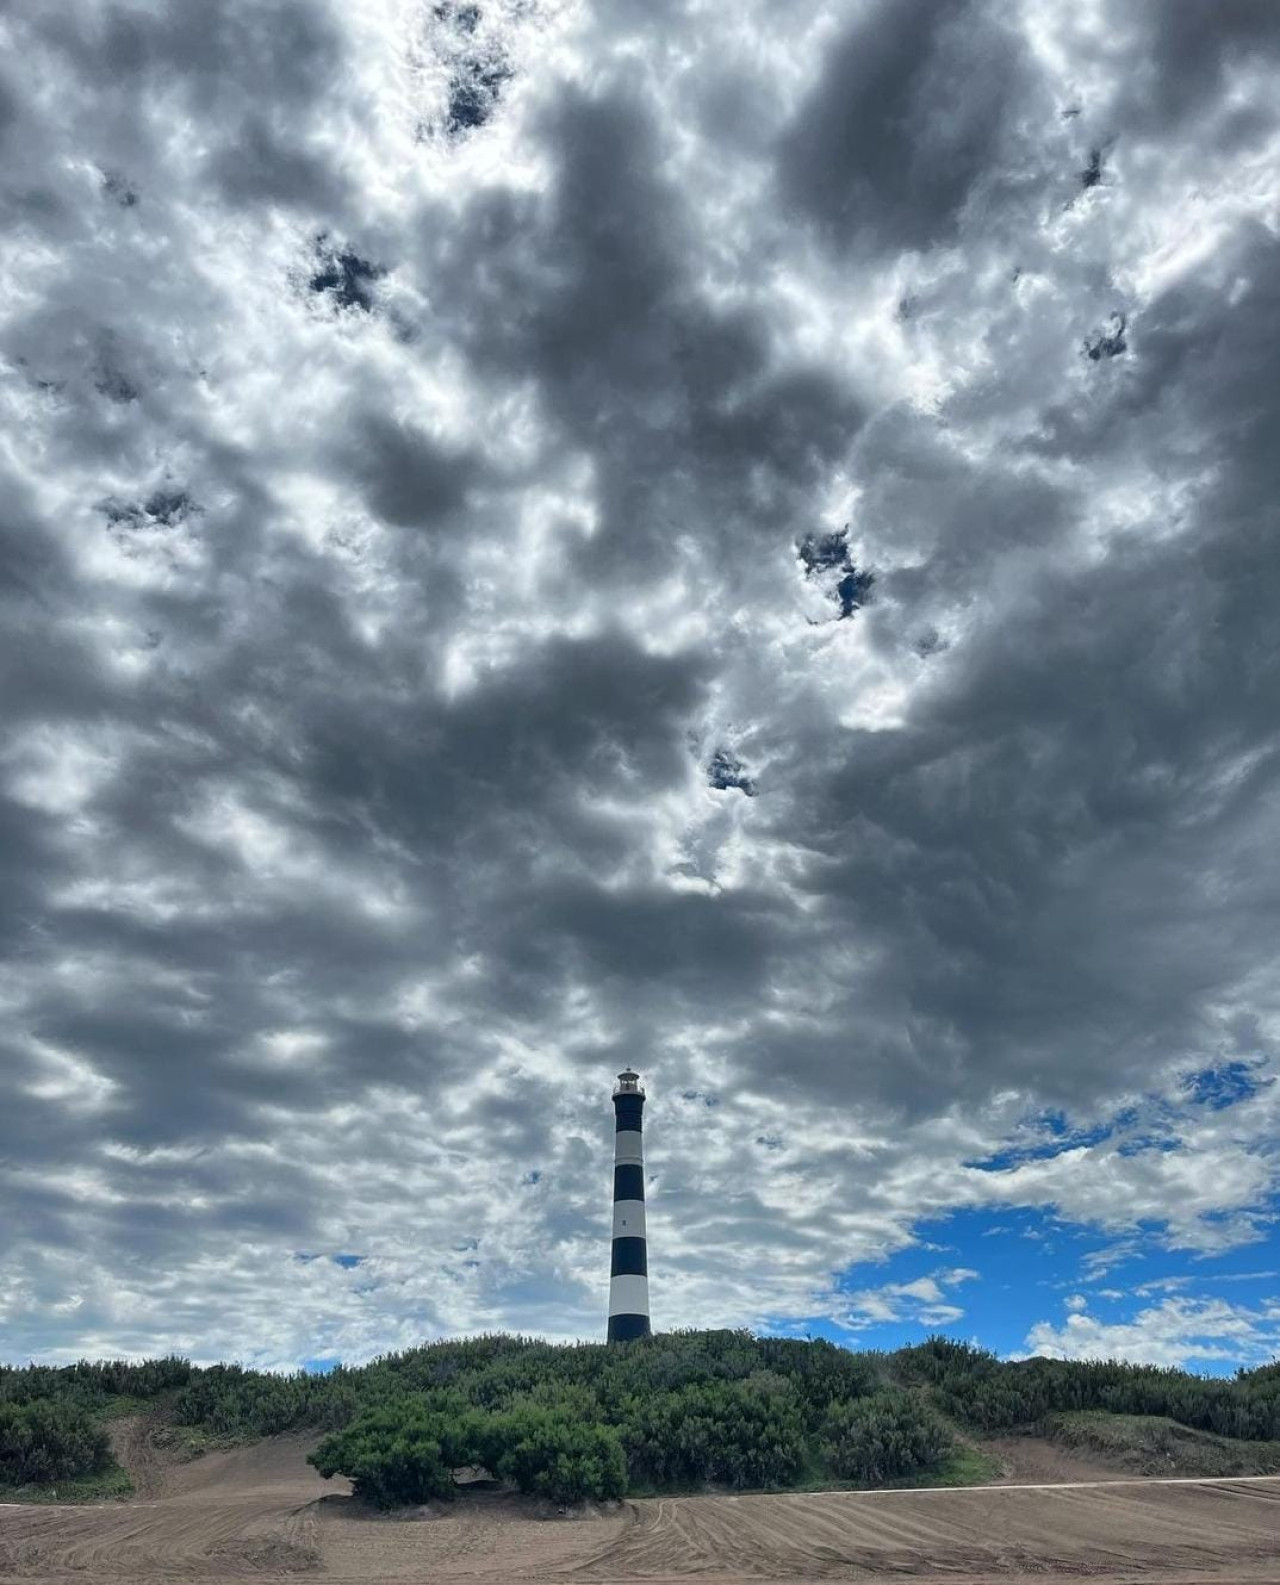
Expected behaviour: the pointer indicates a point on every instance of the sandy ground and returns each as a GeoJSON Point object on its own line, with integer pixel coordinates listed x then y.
{"type": "Point", "coordinates": [260, 1513]}
{"type": "Point", "coordinates": [1032, 1460]}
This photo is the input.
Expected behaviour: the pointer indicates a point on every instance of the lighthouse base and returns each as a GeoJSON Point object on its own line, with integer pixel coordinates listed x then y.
{"type": "Point", "coordinates": [623, 1328]}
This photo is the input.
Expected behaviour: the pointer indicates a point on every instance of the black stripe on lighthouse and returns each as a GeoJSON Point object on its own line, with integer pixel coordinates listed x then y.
{"type": "Point", "coordinates": [630, 1258]}
{"type": "Point", "coordinates": [629, 1262]}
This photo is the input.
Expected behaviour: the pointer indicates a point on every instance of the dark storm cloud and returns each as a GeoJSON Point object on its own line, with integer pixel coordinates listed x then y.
{"type": "Point", "coordinates": [286, 54]}
{"type": "Point", "coordinates": [419, 582]}
{"type": "Point", "coordinates": [421, 772]}
{"type": "Point", "coordinates": [1184, 56]}
{"type": "Point", "coordinates": [245, 89]}
{"type": "Point", "coordinates": [263, 165]}
{"type": "Point", "coordinates": [686, 947]}
{"type": "Point", "coordinates": [908, 116]}
{"type": "Point", "coordinates": [411, 479]}
{"type": "Point", "coordinates": [595, 289]}
{"type": "Point", "coordinates": [1053, 855]}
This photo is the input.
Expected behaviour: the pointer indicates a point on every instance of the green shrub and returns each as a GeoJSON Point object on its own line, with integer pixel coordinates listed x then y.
{"type": "Point", "coordinates": [231, 1401]}
{"type": "Point", "coordinates": [883, 1437]}
{"type": "Point", "coordinates": [395, 1455]}
{"type": "Point", "coordinates": [407, 1453]}
{"type": "Point", "coordinates": [542, 1452]}
{"type": "Point", "coordinates": [47, 1441]}
{"type": "Point", "coordinates": [743, 1434]}
{"type": "Point", "coordinates": [92, 1381]}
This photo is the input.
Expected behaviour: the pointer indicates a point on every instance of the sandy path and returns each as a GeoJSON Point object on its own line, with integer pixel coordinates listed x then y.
{"type": "Point", "coordinates": [260, 1513]}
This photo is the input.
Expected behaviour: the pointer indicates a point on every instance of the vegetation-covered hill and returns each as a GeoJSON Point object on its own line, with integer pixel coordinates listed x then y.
{"type": "Point", "coordinates": [674, 1412]}
{"type": "Point", "coordinates": [1149, 1444]}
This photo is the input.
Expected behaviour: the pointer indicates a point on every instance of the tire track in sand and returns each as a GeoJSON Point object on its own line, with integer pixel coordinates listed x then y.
{"type": "Point", "coordinates": [1182, 1527]}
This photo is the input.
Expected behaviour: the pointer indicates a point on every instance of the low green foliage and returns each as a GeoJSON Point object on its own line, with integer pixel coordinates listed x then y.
{"type": "Point", "coordinates": [745, 1434]}
{"type": "Point", "coordinates": [407, 1453]}
{"type": "Point", "coordinates": [883, 1437]}
{"type": "Point", "coordinates": [391, 1456]}
{"type": "Point", "coordinates": [1156, 1445]}
{"type": "Point", "coordinates": [94, 1383]}
{"type": "Point", "coordinates": [992, 1395]}
{"type": "Point", "coordinates": [111, 1485]}
{"type": "Point", "coordinates": [45, 1441]}
{"type": "Point", "coordinates": [964, 1465]}
{"type": "Point", "coordinates": [52, 1433]}
{"type": "Point", "coordinates": [231, 1401]}
{"type": "Point", "coordinates": [547, 1454]}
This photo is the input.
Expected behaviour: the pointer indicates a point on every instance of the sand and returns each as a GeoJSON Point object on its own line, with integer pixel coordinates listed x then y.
{"type": "Point", "coordinates": [260, 1513]}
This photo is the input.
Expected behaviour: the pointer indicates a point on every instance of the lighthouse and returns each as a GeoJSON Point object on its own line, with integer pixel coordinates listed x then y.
{"type": "Point", "coordinates": [629, 1267]}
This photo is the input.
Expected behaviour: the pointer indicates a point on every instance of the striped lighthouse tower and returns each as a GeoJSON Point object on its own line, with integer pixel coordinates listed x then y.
{"type": "Point", "coordinates": [629, 1268]}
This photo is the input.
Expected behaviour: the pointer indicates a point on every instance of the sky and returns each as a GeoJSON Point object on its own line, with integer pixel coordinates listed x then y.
{"type": "Point", "coordinates": [739, 540]}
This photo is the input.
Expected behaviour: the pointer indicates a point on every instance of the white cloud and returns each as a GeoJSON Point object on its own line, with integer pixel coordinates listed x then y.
{"type": "Point", "coordinates": [924, 1302]}
{"type": "Point", "coordinates": [1177, 1331]}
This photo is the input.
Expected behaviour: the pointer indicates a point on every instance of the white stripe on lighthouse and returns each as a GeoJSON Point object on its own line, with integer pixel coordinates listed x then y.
{"type": "Point", "coordinates": [628, 1296]}
{"type": "Point", "coordinates": [629, 1149]}
{"type": "Point", "coordinates": [628, 1219]}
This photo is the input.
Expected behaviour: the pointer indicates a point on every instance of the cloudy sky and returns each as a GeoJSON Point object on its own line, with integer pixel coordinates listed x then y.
{"type": "Point", "coordinates": [740, 540]}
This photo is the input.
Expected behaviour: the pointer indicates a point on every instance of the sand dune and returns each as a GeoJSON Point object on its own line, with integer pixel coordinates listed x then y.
{"type": "Point", "coordinates": [261, 1513]}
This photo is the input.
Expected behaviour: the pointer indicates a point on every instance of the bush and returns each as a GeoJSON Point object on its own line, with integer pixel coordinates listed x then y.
{"type": "Point", "coordinates": [231, 1401]}
{"type": "Point", "coordinates": [395, 1455]}
{"type": "Point", "coordinates": [47, 1441]}
{"type": "Point", "coordinates": [545, 1454]}
{"type": "Point", "coordinates": [743, 1434]}
{"type": "Point", "coordinates": [407, 1453]}
{"type": "Point", "coordinates": [884, 1437]}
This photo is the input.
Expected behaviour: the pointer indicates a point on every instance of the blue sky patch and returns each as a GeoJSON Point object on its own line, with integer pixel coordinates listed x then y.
{"type": "Point", "coordinates": [1218, 1088]}
{"type": "Point", "coordinates": [1018, 1281]}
